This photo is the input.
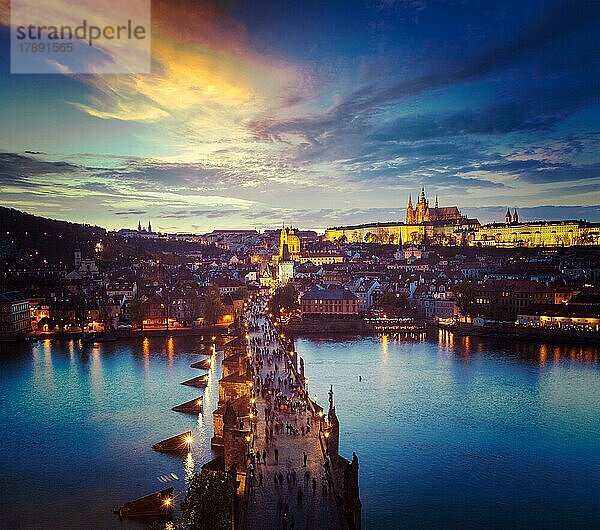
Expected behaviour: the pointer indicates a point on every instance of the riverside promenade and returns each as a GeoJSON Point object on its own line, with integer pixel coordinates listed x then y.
{"type": "Point", "coordinates": [284, 492]}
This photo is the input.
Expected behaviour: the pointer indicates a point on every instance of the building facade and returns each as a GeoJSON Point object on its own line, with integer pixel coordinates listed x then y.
{"type": "Point", "coordinates": [447, 226]}
{"type": "Point", "coordinates": [331, 301]}
{"type": "Point", "coordinates": [438, 225]}
{"type": "Point", "coordinates": [512, 233]}
{"type": "Point", "coordinates": [15, 315]}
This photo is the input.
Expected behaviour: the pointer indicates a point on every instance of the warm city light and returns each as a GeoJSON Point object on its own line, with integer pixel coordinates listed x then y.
{"type": "Point", "coordinates": [399, 199]}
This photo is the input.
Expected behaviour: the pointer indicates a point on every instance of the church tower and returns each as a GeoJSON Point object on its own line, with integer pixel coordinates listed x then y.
{"type": "Point", "coordinates": [422, 210]}
{"type": "Point", "coordinates": [77, 256]}
{"type": "Point", "coordinates": [290, 241]}
{"type": "Point", "coordinates": [139, 226]}
{"type": "Point", "coordinates": [507, 217]}
{"type": "Point", "coordinates": [410, 212]}
{"type": "Point", "coordinates": [515, 217]}
{"type": "Point", "coordinates": [149, 227]}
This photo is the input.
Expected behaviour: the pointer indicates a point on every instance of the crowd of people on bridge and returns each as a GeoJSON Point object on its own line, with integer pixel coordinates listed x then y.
{"type": "Point", "coordinates": [287, 411]}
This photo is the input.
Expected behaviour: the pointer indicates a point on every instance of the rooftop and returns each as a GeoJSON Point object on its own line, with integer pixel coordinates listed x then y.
{"type": "Point", "coordinates": [323, 293]}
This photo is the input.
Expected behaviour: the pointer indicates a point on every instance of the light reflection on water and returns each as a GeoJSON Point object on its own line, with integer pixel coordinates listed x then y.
{"type": "Point", "coordinates": [79, 421]}
{"type": "Point", "coordinates": [466, 433]}
{"type": "Point", "coordinates": [450, 432]}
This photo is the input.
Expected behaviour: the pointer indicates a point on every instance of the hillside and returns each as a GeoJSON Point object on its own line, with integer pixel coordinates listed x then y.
{"type": "Point", "coordinates": [27, 238]}
{"type": "Point", "coordinates": [31, 240]}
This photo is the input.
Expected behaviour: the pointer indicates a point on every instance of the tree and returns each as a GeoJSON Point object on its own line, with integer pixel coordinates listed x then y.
{"type": "Point", "coordinates": [465, 294]}
{"type": "Point", "coordinates": [213, 305]}
{"type": "Point", "coordinates": [284, 297]}
{"type": "Point", "coordinates": [388, 299]}
{"type": "Point", "coordinates": [79, 301]}
{"type": "Point", "coordinates": [208, 502]}
{"type": "Point", "coordinates": [137, 310]}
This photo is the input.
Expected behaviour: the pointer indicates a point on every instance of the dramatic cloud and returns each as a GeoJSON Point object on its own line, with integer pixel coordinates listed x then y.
{"type": "Point", "coordinates": [316, 116]}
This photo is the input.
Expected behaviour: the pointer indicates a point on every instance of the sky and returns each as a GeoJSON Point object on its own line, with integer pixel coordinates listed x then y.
{"type": "Point", "coordinates": [315, 114]}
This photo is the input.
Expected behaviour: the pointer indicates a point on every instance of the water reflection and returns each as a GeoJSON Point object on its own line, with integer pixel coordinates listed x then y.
{"type": "Point", "coordinates": [48, 371]}
{"type": "Point", "coordinates": [508, 439]}
{"type": "Point", "coordinates": [146, 352]}
{"type": "Point", "coordinates": [170, 350]}
{"type": "Point", "coordinates": [189, 467]}
{"type": "Point", "coordinates": [97, 373]}
{"type": "Point", "coordinates": [88, 455]}
{"type": "Point", "coordinates": [524, 351]}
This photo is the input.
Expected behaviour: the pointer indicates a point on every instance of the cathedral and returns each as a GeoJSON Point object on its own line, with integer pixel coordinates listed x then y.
{"type": "Point", "coordinates": [423, 223]}
{"type": "Point", "coordinates": [289, 244]}
{"type": "Point", "coordinates": [422, 213]}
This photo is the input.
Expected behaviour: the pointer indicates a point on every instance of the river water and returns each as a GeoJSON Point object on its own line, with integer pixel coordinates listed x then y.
{"type": "Point", "coordinates": [449, 432]}
{"type": "Point", "coordinates": [461, 433]}
{"type": "Point", "coordinates": [78, 424]}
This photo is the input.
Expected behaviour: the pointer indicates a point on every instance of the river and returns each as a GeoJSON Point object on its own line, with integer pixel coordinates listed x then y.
{"type": "Point", "coordinates": [464, 433]}
{"type": "Point", "coordinates": [449, 432]}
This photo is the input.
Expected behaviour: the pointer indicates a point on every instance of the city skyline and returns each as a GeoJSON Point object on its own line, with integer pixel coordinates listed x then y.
{"type": "Point", "coordinates": [316, 115]}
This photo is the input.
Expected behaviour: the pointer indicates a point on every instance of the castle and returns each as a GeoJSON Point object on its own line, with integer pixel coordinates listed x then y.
{"type": "Point", "coordinates": [422, 213]}
{"type": "Point", "coordinates": [514, 233]}
{"type": "Point", "coordinates": [440, 225]}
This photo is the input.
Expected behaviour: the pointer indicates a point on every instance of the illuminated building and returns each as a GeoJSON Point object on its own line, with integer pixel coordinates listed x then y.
{"type": "Point", "coordinates": [422, 213]}
{"type": "Point", "coordinates": [15, 315]}
{"type": "Point", "coordinates": [321, 300]}
{"type": "Point", "coordinates": [289, 244]}
{"type": "Point", "coordinates": [290, 253]}
{"type": "Point", "coordinates": [512, 233]}
{"type": "Point", "coordinates": [285, 267]}
{"type": "Point", "coordinates": [447, 226]}
{"type": "Point", "coordinates": [438, 225]}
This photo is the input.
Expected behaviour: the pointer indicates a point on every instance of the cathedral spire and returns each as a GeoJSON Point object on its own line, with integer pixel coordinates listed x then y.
{"type": "Point", "coordinates": [410, 212]}
{"type": "Point", "coordinates": [139, 226]}
{"type": "Point", "coordinates": [508, 217]}
{"type": "Point", "coordinates": [436, 200]}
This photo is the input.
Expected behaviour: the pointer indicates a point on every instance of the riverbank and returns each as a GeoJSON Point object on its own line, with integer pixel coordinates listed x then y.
{"type": "Point", "coordinates": [124, 334]}
{"type": "Point", "coordinates": [352, 325]}
{"type": "Point", "coordinates": [360, 326]}
{"type": "Point", "coordinates": [567, 336]}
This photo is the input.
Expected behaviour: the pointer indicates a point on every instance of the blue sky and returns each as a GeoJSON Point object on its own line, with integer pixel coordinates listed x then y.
{"type": "Point", "coordinates": [316, 113]}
